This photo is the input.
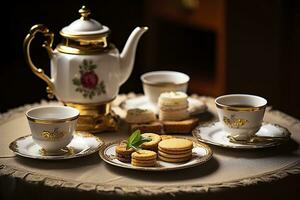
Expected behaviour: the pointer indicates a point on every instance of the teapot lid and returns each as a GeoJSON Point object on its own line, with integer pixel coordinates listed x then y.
{"type": "Point", "coordinates": [85, 27]}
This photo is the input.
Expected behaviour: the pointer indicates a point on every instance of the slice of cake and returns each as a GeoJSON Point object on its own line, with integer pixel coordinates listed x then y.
{"type": "Point", "coordinates": [140, 116]}
{"type": "Point", "coordinates": [184, 126]}
{"type": "Point", "coordinates": [143, 119]}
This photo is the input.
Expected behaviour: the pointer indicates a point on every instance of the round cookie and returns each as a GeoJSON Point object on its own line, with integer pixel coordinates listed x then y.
{"type": "Point", "coordinates": [144, 155]}
{"type": "Point", "coordinates": [123, 159]}
{"type": "Point", "coordinates": [143, 164]}
{"type": "Point", "coordinates": [151, 145]}
{"type": "Point", "coordinates": [166, 155]}
{"type": "Point", "coordinates": [175, 144]}
{"type": "Point", "coordinates": [174, 160]}
{"type": "Point", "coordinates": [143, 161]}
{"type": "Point", "coordinates": [123, 156]}
{"type": "Point", "coordinates": [121, 149]}
{"type": "Point", "coordinates": [174, 152]}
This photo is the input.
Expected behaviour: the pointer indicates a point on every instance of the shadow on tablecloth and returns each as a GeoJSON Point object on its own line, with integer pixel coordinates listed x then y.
{"type": "Point", "coordinates": [288, 148]}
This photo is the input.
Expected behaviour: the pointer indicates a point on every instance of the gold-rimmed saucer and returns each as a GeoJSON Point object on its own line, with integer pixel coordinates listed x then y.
{"type": "Point", "coordinates": [201, 153]}
{"type": "Point", "coordinates": [82, 144]}
{"type": "Point", "coordinates": [269, 135]}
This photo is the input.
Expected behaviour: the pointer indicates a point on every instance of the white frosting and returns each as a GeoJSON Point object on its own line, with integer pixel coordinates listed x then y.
{"type": "Point", "coordinates": [173, 106]}
{"type": "Point", "coordinates": [173, 99]}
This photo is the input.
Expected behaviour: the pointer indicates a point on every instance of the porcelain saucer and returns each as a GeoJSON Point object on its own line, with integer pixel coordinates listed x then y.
{"type": "Point", "coordinates": [196, 106]}
{"type": "Point", "coordinates": [268, 135]}
{"type": "Point", "coordinates": [201, 153]}
{"type": "Point", "coordinates": [82, 144]}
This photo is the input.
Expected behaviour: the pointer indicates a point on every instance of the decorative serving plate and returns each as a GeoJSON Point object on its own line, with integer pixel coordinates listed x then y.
{"type": "Point", "coordinates": [196, 106]}
{"type": "Point", "coordinates": [82, 144]}
{"type": "Point", "coordinates": [201, 153]}
{"type": "Point", "coordinates": [268, 135]}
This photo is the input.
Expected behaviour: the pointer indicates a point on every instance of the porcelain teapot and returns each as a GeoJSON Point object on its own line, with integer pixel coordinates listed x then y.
{"type": "Point", "coordinates": [85, 67]}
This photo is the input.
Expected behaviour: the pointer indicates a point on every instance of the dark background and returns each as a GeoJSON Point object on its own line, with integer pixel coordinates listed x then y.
{"type": "Point", "coordinates": [259, 51]}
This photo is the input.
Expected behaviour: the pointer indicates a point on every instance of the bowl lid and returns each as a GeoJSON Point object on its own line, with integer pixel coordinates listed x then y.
{"type": "Point", "coordinates": [84, 27]}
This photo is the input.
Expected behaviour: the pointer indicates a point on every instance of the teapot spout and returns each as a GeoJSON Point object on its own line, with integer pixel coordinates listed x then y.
{"type": "Point", "coordinates": [127, 56]}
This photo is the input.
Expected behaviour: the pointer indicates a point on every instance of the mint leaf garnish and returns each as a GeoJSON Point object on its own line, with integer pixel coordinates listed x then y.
{"type": "Point", "coordinates": [135, 140]}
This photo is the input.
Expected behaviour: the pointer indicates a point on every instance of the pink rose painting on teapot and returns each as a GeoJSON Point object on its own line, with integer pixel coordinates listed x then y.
{"type": "Point", "coordinates": [89, 84]}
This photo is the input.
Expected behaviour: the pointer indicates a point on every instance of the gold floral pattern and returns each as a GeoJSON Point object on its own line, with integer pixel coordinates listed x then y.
{"type": "Point", "coordinates": [234, 122]}
{"type": "Point", "coordinates": [54, 135]}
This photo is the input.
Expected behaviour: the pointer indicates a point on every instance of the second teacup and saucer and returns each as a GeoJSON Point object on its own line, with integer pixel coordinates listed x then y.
{"type": "Point", "coordinates": [241, 124]}
{"type": "Point", "coordinates": [53, 135]}
{"type": "Point", "coordinates": [157, 82]}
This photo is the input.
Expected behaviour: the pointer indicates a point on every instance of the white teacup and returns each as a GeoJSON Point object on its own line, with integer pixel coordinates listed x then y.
{"type": "Point", "coordinates": [157, 82]}
{"type": "Point", "coordinates": [52, 127]}
{"type": "Point", "coordinates": [241, 115]}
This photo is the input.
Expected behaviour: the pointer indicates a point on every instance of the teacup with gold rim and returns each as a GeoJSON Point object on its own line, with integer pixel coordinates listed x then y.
{"type": "Point", "coordinates": [241, 115]}
{"type": "Point", "coordinates": [52, 127]}
{"type": "Point", "coordinates": [157, 82]}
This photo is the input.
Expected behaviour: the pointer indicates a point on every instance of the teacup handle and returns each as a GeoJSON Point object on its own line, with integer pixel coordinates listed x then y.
{"type": "Point", "coordinates": [40, 28]}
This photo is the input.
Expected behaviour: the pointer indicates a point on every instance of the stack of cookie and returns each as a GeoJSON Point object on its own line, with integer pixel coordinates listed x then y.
{"type": "Point", "coordinates": [153, 143]}
{"type": "Point", "coordinates": [144, 120]}
{"type": "Point", "coordinates": [175, 150]}
{"type": "Point", "coordinates": [123, 154]}
{"type": "Point", "coordinates": [173, 106]}
{"type": "Point", "coordinates": [144, 158]}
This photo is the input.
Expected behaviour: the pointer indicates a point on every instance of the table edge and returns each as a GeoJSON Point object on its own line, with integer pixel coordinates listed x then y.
{"type": "Point", "coordinates": [146, 190]}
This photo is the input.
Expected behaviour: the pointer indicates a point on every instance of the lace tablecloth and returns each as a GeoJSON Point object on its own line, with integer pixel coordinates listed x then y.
{"type": "Point", "coordinates": [228, 170]}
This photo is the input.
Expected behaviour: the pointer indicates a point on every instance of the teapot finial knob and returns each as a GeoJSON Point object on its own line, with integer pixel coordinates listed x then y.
{"type": "Point", "coordinates": [84, 12]}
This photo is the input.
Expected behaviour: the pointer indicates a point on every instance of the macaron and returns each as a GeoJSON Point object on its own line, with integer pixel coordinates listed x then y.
{"type": "Point", "coordinates": [123, 154]}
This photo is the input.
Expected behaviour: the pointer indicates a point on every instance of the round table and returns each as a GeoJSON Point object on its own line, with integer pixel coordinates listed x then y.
{"type": "Point", "coordinates": [229, 174]}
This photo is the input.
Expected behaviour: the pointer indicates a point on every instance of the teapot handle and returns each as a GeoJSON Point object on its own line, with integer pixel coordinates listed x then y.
{"type": "Point", "coordinates": [40, 28]}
